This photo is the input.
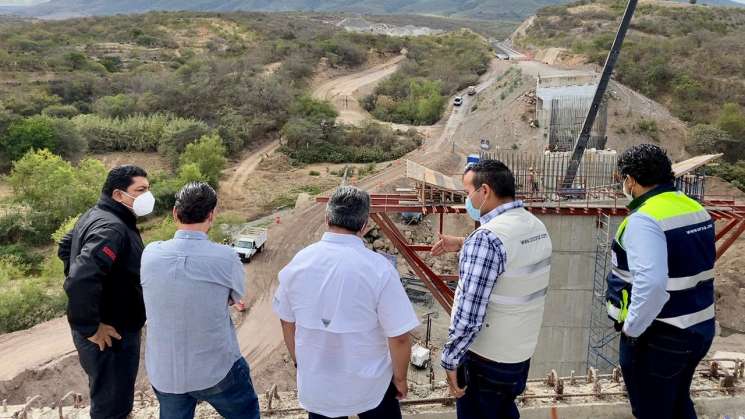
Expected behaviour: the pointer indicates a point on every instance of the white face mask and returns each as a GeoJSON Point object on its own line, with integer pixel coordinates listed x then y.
{"type": "Point", "coordinates": [143, 204]}
{"type": "Point", "coordinates": [626, 192]}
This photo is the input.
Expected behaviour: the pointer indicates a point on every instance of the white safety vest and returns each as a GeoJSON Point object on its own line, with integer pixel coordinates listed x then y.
{"type": "Point", "coordinates": [515, 312]}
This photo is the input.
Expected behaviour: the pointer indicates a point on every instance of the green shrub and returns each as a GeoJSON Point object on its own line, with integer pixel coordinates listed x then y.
{"type": "Point", "coordinates": [17, 225]}
{"type": "Point", "coordinates": [732, 120]}
{"type": "Point", "coordinates": [340, 51]}
{"type": "Point", "coordinates": [23, 255]}
{"type": "Point", "coordinates": [165, 133]}
{"type": "Point", "coordinates": [29, 302]}
{"type": "Point", "coordinates": [179, 133]}
{"type": "Point", "coordinates": [309, 143]}
{"type": "Point", "coordinates": [307, 107]}
{"type": "Point", "coordinates": [135, 133]}
{"type": "Point", "coordinates": [30, 102]}
{"type": "Point", "coordinates": [27, 134]}
{"type": "Point", "coordinates": [117, 106]}
{"type": "Point", "coordinates": [54, 189]}
{"type": "Point", "coordinates": [208, 153]}
{"type": "Point", "coordinates": [647, 127]}
{"type": "Point", "coordinates": [60, 111]}
{"type": "Point", "coordinates": [708, 139]}
{"type": "Point", "coordinates": [164, 186]}
{"type": "Point", "coordinates": [422, 104]}
{"type": "Point", "coordinates": [731, 172]}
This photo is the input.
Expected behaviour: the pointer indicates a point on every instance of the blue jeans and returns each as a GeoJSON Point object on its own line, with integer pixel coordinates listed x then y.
{"type": "Point", "coordinates": [491, 388]}
{"type": "Point", "coordinates": [233, 397]}
{"type": "Point", "coordinates": [388, 408]}
{"type": "Point", "coordinates": [658, 368]}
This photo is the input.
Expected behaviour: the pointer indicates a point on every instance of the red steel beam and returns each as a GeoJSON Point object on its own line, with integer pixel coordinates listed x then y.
{"type": "Point", "coordinates": [731, 239]}
{"type": "Point", "coordinates": [432, 281]}
{"type": "Point", "coordinates": [727, 228]}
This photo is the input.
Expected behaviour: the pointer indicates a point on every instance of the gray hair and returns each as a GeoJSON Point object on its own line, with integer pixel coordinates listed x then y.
{"type": "Point", "coordinates": [348, 208]}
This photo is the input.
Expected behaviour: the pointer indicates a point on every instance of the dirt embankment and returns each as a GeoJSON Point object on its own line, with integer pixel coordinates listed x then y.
{"type": "Point", "coordinates": [42, 361]}
{"type": "Point", "coordinates": [730, 269]}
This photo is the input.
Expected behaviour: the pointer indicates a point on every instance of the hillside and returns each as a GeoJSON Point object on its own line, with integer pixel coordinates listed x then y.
{"type": "Point", "coordinates": [690, 58]}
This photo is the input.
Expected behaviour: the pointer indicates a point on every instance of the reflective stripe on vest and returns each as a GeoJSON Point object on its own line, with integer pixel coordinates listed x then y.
{"type": "Point", "coordinates": [535, 268]}
{"type": "Point", "coordinates": [519, 300]}
{"type": "Point", "coordinates": [539, 267]}
{"type": "Point", "coordinates": [515, 311]}
{"type": "Point", "coordinates": [690, 241]}
{"type": "Point", "coordinates": [619, 314]}
{"type": "Point", "coordinates": [688, 320]}
{"type": "Point", "coordinates": [673, 284]}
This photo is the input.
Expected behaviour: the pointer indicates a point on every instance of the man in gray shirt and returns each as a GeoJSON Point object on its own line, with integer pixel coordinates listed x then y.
{"type": "Point", "coordinates": [188, 283]}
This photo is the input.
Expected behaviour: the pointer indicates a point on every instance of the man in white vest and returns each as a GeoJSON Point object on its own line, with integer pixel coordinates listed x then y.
{"type": "Point", "coordinates": [498, 307]}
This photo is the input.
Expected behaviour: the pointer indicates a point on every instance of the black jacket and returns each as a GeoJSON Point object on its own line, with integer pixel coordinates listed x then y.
{"type": "Point", "coordinates": [102, 270]}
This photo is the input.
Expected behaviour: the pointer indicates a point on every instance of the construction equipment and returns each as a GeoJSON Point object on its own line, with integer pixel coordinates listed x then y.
{"type": "Point", "coordinates": [610, 63]}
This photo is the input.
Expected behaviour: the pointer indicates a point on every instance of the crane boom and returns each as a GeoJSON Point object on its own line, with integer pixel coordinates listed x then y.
{"type": "Point", "coordinates": [610, 62]}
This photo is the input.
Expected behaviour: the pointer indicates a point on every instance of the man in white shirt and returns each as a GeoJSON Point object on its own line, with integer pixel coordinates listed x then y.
{"type": "Point", "coordinates": [346, 319]}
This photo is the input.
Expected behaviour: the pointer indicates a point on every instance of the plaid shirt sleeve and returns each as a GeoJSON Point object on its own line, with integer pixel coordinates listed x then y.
{"type": "Point", "coordinates": [482, 261]}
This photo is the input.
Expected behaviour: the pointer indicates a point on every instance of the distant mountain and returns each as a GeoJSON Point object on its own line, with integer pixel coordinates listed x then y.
{"type": "Point", "coordinates": [473, 9]}
{"type": "Point", "coordinates": [725, 3]}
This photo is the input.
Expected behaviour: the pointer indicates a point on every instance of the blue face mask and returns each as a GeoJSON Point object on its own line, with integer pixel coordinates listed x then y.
{"type": "Point", "coordinates": [473, 212]}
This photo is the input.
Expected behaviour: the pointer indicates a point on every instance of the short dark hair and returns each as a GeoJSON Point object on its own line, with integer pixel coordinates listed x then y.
{"type": "Point", "coordinates": [495, 174]}
{"type": "Point", "coordinates": [348, 208]}
{"type": "Point", "coordinates": [194, 202]}
{"type": "Point", "coordinates": [121, 177]}
{"type": "Point", "coordinates": [648, 164]}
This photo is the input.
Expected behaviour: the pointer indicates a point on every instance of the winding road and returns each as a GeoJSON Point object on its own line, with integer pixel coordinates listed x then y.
{"type": "Point", "coordinates": [27, 355]}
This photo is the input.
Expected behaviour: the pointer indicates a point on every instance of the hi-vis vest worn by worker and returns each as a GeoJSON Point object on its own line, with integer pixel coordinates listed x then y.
{"type": "Point", "coordinates": [689, 233]}
{"type": "Point", "coordinates": [515, 311]}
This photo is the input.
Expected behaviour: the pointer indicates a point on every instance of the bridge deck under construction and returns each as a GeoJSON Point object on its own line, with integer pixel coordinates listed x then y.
{"type": "Point", "coordinates": [438, 193]}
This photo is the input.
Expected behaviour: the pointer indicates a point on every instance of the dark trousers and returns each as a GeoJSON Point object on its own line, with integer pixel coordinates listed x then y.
{"type": "Point", "coordinates": [233, 397]}
{"type": "Point", "coordinates": [658, 368]}
{"type": "Point", "coordinates": [387, 409]}
{"type": "Point", "coordinates": [111, 374]}
{"type": "Point", "coordinates": [491, 388]}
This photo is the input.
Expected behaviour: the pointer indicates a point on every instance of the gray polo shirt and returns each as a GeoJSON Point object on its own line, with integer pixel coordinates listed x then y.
{"type": "Point", "coordinates": [186, 281]}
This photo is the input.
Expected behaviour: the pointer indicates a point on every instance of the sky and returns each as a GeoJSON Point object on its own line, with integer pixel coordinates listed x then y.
{"type": "Point", "coordinates": [25, 2]}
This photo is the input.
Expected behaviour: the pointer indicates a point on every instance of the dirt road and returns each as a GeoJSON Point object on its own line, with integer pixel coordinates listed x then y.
{"type": "Point", "coordinates": [259, 334]}
{"type": "Point", "coordinates": [240, 174]}
{"type": "Point", "coordinates": [341, 91]}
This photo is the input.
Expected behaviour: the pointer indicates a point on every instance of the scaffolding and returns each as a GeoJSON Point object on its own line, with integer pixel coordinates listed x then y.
{"type": "Point", "coordinates": [562, 104]}
{"type": "Point", "coordinates": [602, 347]}
{"type": "Point", "coordinates": [538, 177]}
{"type": "Point", "coordinates": [566, 116]}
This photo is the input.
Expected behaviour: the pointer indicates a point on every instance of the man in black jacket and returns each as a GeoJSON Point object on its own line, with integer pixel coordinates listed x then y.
{"type": "Point", "coordinates": [105, 307]}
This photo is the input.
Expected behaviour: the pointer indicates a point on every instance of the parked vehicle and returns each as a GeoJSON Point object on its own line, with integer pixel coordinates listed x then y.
{"type": "Point", "coordinates": [485, 144]}
{"type": "Point", "coordinates": [471, 90]}
{"type": "Point", "coordinates": [250, 241]}
{"type": "Point", "coordinates": [458, 101]}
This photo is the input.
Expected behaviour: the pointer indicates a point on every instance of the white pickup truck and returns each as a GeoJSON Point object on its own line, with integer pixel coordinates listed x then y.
{"type": "Point", "coordinates": [250, 241]}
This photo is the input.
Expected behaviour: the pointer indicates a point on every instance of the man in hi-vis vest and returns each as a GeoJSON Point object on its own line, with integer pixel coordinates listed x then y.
{"type": "Point", "coordinates": [661, 287]}
{"type": "Point", "coordinates": [498, 307]}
